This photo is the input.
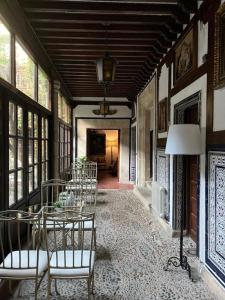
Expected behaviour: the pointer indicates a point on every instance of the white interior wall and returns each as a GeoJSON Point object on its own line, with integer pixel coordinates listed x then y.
{"type": "Point", "coordinates": [202, 41]}
{"type": "Point", "coordinates": [219, 110]}
{"type": "Point", "coordinates": [123, 125]}
{"type": "Point", "coordinates": [145, 121]}
{"type": "Point", "coordinates": [163, 82]}
{"type": "Point", "coordinates": [198, 85]}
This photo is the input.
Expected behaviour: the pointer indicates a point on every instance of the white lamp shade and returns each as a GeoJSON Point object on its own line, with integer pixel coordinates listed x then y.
{"type": "Point", "coordinates": [184, 139]}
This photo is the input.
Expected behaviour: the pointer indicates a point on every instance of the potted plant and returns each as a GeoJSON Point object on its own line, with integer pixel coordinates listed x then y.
{"type": "Point", "coordinates": [58, 205]}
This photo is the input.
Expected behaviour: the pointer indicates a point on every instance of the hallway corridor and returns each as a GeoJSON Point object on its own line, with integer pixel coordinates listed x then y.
{"type": "Point", "coordinates": [131, 253]}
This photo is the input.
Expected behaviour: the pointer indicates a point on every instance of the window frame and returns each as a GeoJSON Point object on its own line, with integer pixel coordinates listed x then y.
{"type": "Point", "coordinates": [65, 144]}
{"type": "Point", "coordinates": [16, 137]}
{"type": "Point", "coordinates": [6, 96]}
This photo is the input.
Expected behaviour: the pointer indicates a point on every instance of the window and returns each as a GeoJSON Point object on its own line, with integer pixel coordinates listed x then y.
{"type": "Point", "coordinates": [64, 147]}
{"type": "Point", "coordinates": [25, 72]}
{"type": "Point", "coordinates": [64, 110]}
{"type": "Point", "coordinates": [33, 151]}
{"type": "Point", "coordinates": [43, 89]}
{"type": "Point", "coordinates": [16, 147]}
{"type": "Point", "coordinates": [44, 143]}
{"type": "Point", "coordinates": [5, 57]}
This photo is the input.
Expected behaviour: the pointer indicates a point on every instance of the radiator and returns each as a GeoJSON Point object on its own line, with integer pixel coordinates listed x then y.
{"type": "Point", "coordinates": [159, 198]}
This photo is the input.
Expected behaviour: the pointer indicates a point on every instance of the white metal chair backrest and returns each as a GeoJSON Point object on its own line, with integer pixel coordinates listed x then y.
{"type": "Point", "coordinates": [91, 170]}
{"type": "Point", "coordinates": [15, 232]}
{"type": "Point", "coordinates": [60, 191]}
{"type": "Point", "coordinates": [77, 252]}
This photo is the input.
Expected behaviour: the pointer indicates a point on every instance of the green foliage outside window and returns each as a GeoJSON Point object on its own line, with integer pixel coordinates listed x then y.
{"type": "Point", "coordinates": [4, 52]}
{"type": "Point", "coordinates": [43, 89]}
{"type": "Point", "coordinates": [25, 72]}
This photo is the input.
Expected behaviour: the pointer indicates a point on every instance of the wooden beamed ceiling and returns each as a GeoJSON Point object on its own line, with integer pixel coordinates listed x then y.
{"type": "Point", "coordinates": [75, 33]}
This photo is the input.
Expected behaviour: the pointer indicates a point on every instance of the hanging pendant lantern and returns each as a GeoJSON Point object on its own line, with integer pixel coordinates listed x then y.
{"type": "Point", "coordinates": [106, 69]}
{"type": "Point", "coordinates": [104, 109]}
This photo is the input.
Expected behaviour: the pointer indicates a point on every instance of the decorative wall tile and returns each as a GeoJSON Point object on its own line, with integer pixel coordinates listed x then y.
{"type": "Point", "coordinates": [163, 175]}
{"type": "Point", "coordinates": [215, 248]}
{"type": "Point", "coordinates": [133, 155]}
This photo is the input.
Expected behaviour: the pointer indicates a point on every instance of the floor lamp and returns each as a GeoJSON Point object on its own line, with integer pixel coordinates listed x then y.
{"type": "Point", "coordinates": [183, 139]}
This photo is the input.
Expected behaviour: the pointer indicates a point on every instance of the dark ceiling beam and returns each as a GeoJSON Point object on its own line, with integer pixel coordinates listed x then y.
{"type": "Point", "coordinates": [171, 2]}
{"type": "Point", "coordinates": [119, 42]}
{"type": "Point", "coordinates": [96, 52]}
{"type": "Point", "coordinates": [112, 28]}
{"type": "Point", "coordinates": [116, 18]}
{"type": "Point", "coordinates": [98, 35]}
{"type": "Point", "coordinates": [94, 58]}
{"type": "Point", "coordinates": [96, 47]}
{"type": "Point", "coordinates": [78, 36]}
{"type": "Point", "coordinates": [105, 9]}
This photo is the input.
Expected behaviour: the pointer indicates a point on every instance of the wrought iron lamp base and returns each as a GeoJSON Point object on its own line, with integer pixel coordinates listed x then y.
{"type": "Point", "coordinates": [178, 262]}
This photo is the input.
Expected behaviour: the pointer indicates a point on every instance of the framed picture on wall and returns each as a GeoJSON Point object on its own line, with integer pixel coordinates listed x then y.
{"type": "Point", "coordinates": [185, 56]}
{"type": "Point", "coordinates": [162, 115]}
{"type": "Point", "coordinates": [219, 75]}
{"type": "Point", "coordinates": [97, 144]}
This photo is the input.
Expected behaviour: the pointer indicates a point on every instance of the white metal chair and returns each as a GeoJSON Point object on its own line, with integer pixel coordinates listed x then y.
{"type": "Point", "coordinates": [20, 258]}
{"type": "Point", "coordinates": [86, 173]}
{"type": "Point", "coordinates": [74, 260]}
{"type": "Point", "coordinates": [73, 194]}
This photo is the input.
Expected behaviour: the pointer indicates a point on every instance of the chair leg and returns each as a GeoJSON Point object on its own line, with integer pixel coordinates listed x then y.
{"type": "Point", "coordinates": [36, 288]}
{"type": "Point", "coordinates": [92, 283]}
{"type": "Point", "coordinates": [95, 239]}
{"type": "Point", "coordinates": [10, 287]}
{"type": "Point", "coordinates": [56, 289]}
{"type": "Point", "coordinates": [88, 286]}
{"type": "Point", "coordinates": [49, 287]}
{"type": "Point", "coordinates": [96, 193]}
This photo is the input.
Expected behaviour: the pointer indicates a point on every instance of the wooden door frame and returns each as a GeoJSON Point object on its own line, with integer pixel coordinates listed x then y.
{"type": "Point", "coordinates": [178, 169]}
{"type": "Point", "coordinates": [117, 129]}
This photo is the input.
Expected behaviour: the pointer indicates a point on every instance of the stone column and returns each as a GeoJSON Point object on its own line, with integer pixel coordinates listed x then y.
{"type": "Point", "coordinates": [54, 137]}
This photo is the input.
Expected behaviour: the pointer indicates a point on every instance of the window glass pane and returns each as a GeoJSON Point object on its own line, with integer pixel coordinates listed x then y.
{"type": "Point", "coordinates": [30, 124]}
{"type": "Point", "coordinates": [20, 154]}
{"type": "Point", "coordinates": [35, 176]}
{"type": "Point", "coordinates": [46, 170]}
{"type": "Point", "coordinates": [46, 128]}
{"type": "Point", "coordinates": [30, 152]}
{"type": "Point", "coordinates": [12, 153]}
{"type": "Point", "coordinates": [46, 150]}
{"type": "Point", "coordinates": [59, 105]}
{"type": "Point", "coordinates": [43, 172]}
{"type": "Point", "coordinates": [43, 89]}
{"type": "Point", "coordinates": [35, 126]}
{"type": "Point", "coordinates": [19, 184]}
{"type": "Point", "coordinates": [30, 179]}
{"type": "Point", "coordinates": [12, 119]}
{"type": "Point", "coordinates": [19, 121]}
{"type": "Point", "coordinates": [25, 72]}
{"type": "Point", "coordinates": [4, 53]}
{"type": "Point", "coordinates": [43, 151]}
{"type": "Point", "coordinates": [35, 151]}
{"type": "Point", "coordinates": [11, 189]}
{"type": "Point", "coordinates": [43, 128]}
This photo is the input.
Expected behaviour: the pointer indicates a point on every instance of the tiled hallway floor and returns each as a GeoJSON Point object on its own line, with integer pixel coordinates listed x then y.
{"type": "Point", "coordinates": [132, 250]}
{"type": "Point", "coordinates": [107, 181]}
